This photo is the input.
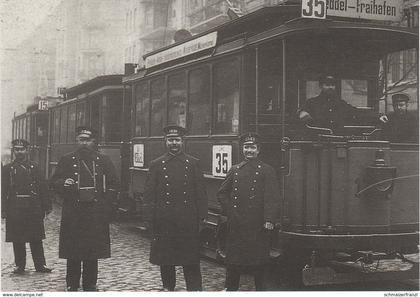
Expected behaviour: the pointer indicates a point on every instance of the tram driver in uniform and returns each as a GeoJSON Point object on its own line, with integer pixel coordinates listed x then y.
{"type": "Point", "coordinates": [249, 197]}
{"type": "Point", "coordinates": [328, 110]}
{"type": "Point", "coordinates": [176, 204]}
{"type": "Point", "coordinates": [86, 180]}
{"type": "Point", "coordinates": [25, 201]}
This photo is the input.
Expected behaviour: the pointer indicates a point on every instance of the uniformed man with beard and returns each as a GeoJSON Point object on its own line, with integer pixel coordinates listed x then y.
{"type": "Point", "coordinates": [175, 205]}
{"type": "Point", "coordinates": [249, 197]}
{"type": "Point", "coordinates": [25, 201]}
{"type": "Point", "coordinates": [87, 182]}
{"type": "Point", "coordinates": [328, 110]}
{"type": "Point", "coordinates": [402, 126]}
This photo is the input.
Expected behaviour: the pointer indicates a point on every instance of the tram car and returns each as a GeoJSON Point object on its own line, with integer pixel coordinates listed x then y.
{"type": "Point", "coordinates": [349, 201]}
{"type": "Point", "coordinates": [96, 103]}
{"type": "Point", "coordinates": [32, 126]}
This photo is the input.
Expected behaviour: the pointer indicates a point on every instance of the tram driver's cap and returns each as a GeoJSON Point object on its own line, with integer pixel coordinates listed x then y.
{"type": "Point", "coordinates": [400, 97]}
{"type": "Point", "coordinates": [20, 143]}
{"type": "Point", "coordinates": [250, 138]}
{"type": "Point", "coordinates": [174, 131]}
{"type": "Point", "coordinates": [327, 79]}
{"type": "Point", "coordinates": [85, 132]}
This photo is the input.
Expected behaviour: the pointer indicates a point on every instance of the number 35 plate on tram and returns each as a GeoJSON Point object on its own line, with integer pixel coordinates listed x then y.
{"type": "Point", "coordinates": [222, 159]}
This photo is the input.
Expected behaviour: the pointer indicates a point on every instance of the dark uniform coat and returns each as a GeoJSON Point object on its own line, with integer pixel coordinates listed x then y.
{"type": "Point", "coordinates": [249, 196]}
{"type": "Point", "coordinates": [333, 113]}
{"type": "Point", "coordinates": [24, 201]}
{"type": "Point", "coordinates": [84, 231]}
{"type": "Point", "coordinates": [176, 201]}
{"type": "Point", "coordinates": [402, 128]}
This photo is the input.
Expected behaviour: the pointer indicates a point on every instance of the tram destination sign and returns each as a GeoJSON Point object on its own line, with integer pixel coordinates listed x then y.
{"type": "Point", "coordinates": [190, 47]}
{"type": "Point", "coordinates": [380, 10]}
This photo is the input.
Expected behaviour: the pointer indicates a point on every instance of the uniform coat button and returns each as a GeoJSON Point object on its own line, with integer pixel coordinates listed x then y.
{"type": "Point", "coordinates": [167, 194]}
{"type": "Point", "coordinates": [166, 176]}
{"type": "Point", "coordinates": [167, 202]}
{"type": "Point", "coordinates": [164, 168]}
{"type": "Point", "coordinates": [235, 206]}
{"type": "Point", "coordinates": [236, 189]}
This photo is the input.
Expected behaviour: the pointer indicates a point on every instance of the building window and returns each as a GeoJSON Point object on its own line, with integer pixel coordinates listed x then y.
{"type": "Point", "coordinates": [157, 97]}
{"type": "Point", "coordinates": [199, 113]}
{"type": "Point", "coordinates": [226, 97]}
{"type": "Point", "coordinates": [142, 109]}
{"type": "Point", "coordinates": [177, 100]}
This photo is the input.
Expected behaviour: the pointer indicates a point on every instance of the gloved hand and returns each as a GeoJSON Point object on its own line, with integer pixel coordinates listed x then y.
{"type": "Point", "coordinates": [268, 226]}
{"type": "Point", "coordinates": [384, 119]}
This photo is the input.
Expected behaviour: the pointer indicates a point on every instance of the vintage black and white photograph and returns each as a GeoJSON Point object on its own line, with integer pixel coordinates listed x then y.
{"type": "Point", "coordinates": [210, 145]}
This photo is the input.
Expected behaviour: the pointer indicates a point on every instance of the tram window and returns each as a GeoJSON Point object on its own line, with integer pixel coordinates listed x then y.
{"type": "Point", "coordinates": [177, 100]}
{"type": "Point", "coordinates": [157, 96]}
{"type": "Point", "coordinates": [226, 97]}
{"type": "Point", "coordinates": [354, 92]}
{"type": "Point", "coordinates": [56, 126]}
{"type": "Point", "coordinates": [72, 124]}
{"type": "Point", "coordinates": [112, 118]}
{"type": "Point", "coordinates": [63, 132]}
{"type": "Point", "coordinates": [94, 115]}
{"type": "Point", "coordinates": [28, 129]}
{"type": "Point", "coordinates": [24, 128]}
{"type": "Point", "coordinates": [199, 115]}
{"type": "Point", "coordinates": [142, 109]}
{"type": "Point", "coordinates": [41, 129]}
{"type": "Point", "coordinates": [81, 114]}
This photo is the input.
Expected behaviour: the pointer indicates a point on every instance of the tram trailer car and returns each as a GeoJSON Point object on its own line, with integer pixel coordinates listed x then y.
{"type": "Point", "coordinates": [347, 201]}
{"type": "Point", "coordinates": [96, 103]}
{"type": "Point", "coordinates": [33, 127]}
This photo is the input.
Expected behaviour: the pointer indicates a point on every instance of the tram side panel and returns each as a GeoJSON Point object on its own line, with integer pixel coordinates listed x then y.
{"type": "Point", "coordinates": [405, 203]}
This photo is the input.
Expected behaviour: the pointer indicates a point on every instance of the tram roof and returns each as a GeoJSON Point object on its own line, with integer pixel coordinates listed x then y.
{"type": "Point", "coordinates": [269, 23]}
{"type": "Point", "coordinates": [93, 84]}
{"type": "Point", "coordinates": [257, 21]}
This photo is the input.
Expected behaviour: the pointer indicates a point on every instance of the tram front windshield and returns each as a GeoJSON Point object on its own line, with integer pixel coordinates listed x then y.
{"type": "Point", "coordinates": [368, 66]}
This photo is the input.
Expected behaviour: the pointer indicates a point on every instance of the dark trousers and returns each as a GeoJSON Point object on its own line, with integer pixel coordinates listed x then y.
{"type": "Point", "coordinates": [37, 250]}
{"type": "Point", "coordinates": [233, 275]}
{"type": "Point", "coordinates": [90, 274]}
{"type": "Point", "coordinates": [192, 275]}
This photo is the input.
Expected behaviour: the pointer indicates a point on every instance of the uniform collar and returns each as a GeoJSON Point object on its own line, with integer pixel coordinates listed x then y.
{"type": "Point", "coordinates": [180, 155]}
{"type": "Point", "coordinates": [252, 162]}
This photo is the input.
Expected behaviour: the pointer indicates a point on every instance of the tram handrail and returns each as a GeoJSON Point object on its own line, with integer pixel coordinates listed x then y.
{"type": "Point", "coordinates": [314, 128]}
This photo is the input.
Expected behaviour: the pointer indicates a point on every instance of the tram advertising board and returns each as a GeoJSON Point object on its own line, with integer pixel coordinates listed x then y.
{"type": "Point", "coordinates": [380, 10]}
{"type": "Point", "coordinates": [222, 160]}
{"type": "Point", "coordinates": [138, 155]}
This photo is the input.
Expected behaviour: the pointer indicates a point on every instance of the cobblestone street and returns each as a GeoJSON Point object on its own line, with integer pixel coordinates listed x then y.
{"type": "Point", "coordinates": [128, 269]}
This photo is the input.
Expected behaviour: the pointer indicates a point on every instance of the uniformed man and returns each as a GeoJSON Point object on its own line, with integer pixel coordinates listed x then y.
{"type": "Point", "coordinates": [328, 110]}
{"type": "Point", "coordinates": [25, 201]}
{"type": "Point", "coordinates": [86, 181]}
{"type": "Point", "coordinates": [176, 199]}
{"type": "Point", "coordinates": [249, 197]}
{"type": "Point", "coordinates": [401, 125]}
